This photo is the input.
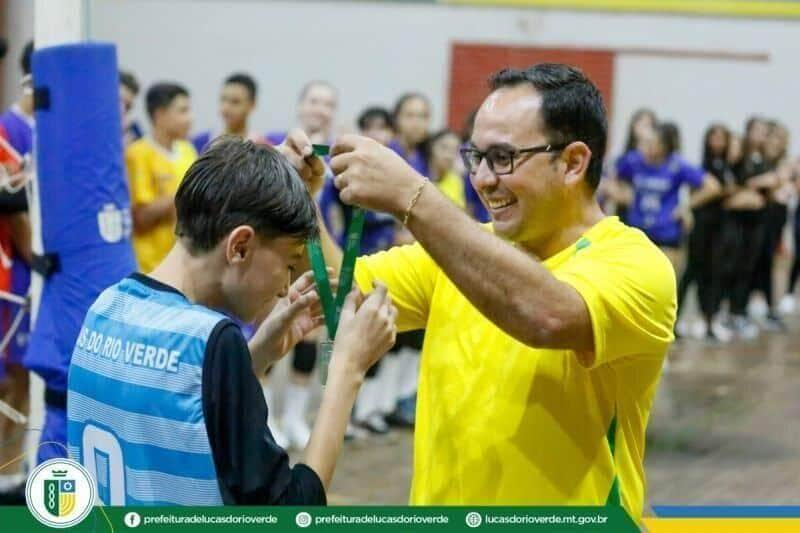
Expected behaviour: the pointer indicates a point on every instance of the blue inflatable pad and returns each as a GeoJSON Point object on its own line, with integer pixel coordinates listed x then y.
{"type": "Point", "coordinates": [83, 195]}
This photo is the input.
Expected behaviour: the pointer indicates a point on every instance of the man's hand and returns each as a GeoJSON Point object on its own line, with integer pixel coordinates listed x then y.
{"type": "Point", "coordinates": [292, 318]}
{"type": "Point", "coordinates": [297, 148]}
{"type": "Point", "coordinates": [373, 176]}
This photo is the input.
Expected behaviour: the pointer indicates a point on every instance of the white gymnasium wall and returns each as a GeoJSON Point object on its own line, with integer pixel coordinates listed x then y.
{"type": "Point", "coordinates": [18, 30]}
{"type": "Point", "coordinates": [375, 51]}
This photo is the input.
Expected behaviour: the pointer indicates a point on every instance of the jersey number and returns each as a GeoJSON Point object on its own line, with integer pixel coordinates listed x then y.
{"type": "Point", "coordinates": [102, 456]}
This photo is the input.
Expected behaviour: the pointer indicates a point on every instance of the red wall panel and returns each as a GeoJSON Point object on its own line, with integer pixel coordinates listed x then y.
{"type": "Point", "coordinates": [472, 64]}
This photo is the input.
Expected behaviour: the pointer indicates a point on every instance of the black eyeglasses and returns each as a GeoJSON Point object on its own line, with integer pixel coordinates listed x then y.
{"type": "Point", "coordinates": [502, 160]}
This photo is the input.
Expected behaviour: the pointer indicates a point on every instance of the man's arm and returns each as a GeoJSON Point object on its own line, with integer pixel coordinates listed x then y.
{"type": "Point", "coordinates": [508, 286]}
{"type": "Point", "coordinates": [511, 288]}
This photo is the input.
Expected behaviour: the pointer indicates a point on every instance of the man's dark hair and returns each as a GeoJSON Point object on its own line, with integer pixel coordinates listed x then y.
{"type": "Point", "coordinates": [371, 114]}
{"type": "Point", "coordinates": [25, 58]}
{"type": "Point", "coordinates": [237, 182]}
{"type": "Point", "coordinates": [128, 80]}
{"type": "Point", "coordinates": [572, 107]}
{"type": "Point", "coordinates": [315, 83]}
{"type": "Point", "coordinates": [161, 95]}
{"type": "Point", "coordinates": [3, 47]}
{"type": "Point", "coordinates": [246, 81]}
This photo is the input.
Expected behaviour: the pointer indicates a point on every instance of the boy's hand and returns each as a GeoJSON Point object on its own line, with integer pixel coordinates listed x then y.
{"type": "Point", "coordinates": [366, 329]}
{"type": "Point", "coordinates": [292, 318]}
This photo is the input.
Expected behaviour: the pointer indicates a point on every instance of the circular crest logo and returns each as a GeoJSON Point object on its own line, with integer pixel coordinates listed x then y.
{"type": "Point", "coordinates": [60, 493]}
{"type": "Point", "coordinates": [474, 519]}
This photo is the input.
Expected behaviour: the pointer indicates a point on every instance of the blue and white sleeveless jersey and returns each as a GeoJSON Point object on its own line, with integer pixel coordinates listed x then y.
{"type": "Point", "coordinates": [134, 401]}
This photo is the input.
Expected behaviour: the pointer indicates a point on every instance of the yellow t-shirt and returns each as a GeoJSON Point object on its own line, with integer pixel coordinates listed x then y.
{"type": "Point", "coordinates": [499, 422]}
{"type": "Point", "coordinates": [452, 186]}
{"type": "Point", "coordinates": [155, 173]}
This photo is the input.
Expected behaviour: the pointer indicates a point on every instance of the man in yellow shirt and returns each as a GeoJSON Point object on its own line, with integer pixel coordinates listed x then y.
{"type": "Point", "coordinates": [156, 165]}
{"type": "Point", "coordinates": [545, 335]}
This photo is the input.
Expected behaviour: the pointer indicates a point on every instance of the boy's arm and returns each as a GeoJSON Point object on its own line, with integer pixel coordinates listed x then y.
{"type": "Point", "coordinates": [364, 335]}
{"type": "Point", "coordinates": [251, 468]}
{"type": "Point", "coordinates": [338, 399]}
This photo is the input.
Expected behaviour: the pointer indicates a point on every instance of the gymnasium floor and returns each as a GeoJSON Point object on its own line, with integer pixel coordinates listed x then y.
{"type": "Point", "coordinates": [724, 430]}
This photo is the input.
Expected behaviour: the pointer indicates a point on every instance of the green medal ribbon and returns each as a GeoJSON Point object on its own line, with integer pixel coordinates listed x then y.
{"type": "Point", "coordinates": [332, 304]}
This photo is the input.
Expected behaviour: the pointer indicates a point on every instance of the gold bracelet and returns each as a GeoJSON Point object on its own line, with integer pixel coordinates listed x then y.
{"type": "Point", "coordinates": [413, 201]}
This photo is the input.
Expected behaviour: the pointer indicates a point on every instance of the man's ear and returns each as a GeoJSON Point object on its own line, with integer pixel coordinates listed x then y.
{"type": "Point", "coordinates": [239, 244]}
{"type": "Point", "coordinates": [577, 156]}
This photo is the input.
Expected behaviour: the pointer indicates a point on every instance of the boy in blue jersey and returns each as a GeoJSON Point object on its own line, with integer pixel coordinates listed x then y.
{"type": "Point", "coordinates": [164, 407]}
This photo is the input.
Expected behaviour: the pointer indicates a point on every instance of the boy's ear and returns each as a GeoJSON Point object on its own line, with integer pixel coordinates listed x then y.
{"type": "Point", "coordinates": [239, 244]}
